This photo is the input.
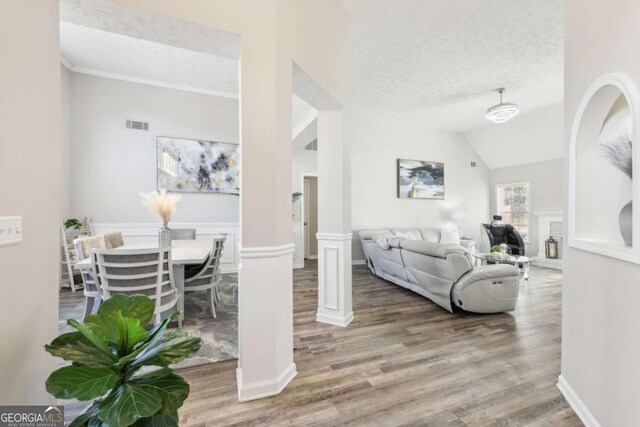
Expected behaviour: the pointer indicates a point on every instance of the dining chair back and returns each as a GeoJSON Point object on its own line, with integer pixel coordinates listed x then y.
{"type": "Point", "coordinates": [183, 234]}
{"type": "Point", "coordinates": [207, 277]}
{"type": "Point", "coordinates": [114, 240]}
{"type": "Point", "coordinates": [138, 271]}
{"type": "Point", "coordinates": [84, 247]}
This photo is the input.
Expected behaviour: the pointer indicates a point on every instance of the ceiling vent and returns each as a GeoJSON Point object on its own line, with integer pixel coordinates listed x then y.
{"type": "Point", "coordinates": [312, 146]}
{"type": "Point", "coordinates": [132, 124]}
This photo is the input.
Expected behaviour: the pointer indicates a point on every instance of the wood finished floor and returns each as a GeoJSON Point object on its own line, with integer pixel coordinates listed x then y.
{"type": "Point", "coordinates": [404, 361]}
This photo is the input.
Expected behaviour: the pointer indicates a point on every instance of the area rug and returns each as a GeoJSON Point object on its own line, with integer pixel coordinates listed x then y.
{"type": "Point", "coordinates": [219, 335]}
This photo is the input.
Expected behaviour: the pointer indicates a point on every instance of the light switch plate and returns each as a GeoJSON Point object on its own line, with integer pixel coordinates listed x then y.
{"type": "Point", "coordinates": [10, 230]}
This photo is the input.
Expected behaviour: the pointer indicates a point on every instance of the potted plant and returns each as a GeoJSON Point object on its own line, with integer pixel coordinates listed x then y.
{"type": "Point", "coordinates": [73, 224]}
{"type": "Point", "coordinates": [108, 353]}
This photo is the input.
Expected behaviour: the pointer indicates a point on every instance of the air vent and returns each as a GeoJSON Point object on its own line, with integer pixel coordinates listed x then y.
{"type": "Point", "coordinates": [132, 124]}
{"type": "Point", "coordinates": [473, 164]}
{"type": "Point", "coordinates": [312, 146]}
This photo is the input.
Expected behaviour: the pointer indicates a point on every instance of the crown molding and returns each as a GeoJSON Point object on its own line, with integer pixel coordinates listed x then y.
{"type": "Point", "coordinates": [148, 82]}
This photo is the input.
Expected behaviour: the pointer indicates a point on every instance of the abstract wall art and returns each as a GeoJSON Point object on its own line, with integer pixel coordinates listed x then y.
{"type": "Point", "coordinates": [194, 166]}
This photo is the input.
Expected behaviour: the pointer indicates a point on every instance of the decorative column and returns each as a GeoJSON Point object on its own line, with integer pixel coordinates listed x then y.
{"type": "Point", "coordinates": [334, 222]}
{"type": "Point", "coordinates": [265, 291]}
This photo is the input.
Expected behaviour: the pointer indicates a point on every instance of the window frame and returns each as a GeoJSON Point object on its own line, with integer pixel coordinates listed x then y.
{"type": "Point", "coordinates": [500, 187]}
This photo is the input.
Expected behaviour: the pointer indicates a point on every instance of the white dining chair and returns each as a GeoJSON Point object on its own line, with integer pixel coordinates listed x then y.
{"type": "Point", "coordinates": [138, 271]}
{"type": "Point", "coordinates": [92, 294]}
{"type": "Point", "coordinates": [206, 279]}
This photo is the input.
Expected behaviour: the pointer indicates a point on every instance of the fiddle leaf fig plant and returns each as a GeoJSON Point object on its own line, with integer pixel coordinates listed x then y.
{"type": "Point", "coordinates": [108, 352]}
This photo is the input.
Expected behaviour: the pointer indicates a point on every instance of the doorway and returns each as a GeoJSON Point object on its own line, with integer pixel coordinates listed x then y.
{"type": "Point", "coordinates": [310, 216]}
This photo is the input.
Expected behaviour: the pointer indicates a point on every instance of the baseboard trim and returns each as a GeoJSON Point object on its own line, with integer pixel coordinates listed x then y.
{"type": "Point", "coordinates": [358, 262]}
{"type": "Point", "coordinates": [335, 320]}
{"type": "Point", "coordinates": [265, 388]}
{"type": "Point", "coordinates": [576, 403]}
{"type": "Point", "coordinates": [312, 256]}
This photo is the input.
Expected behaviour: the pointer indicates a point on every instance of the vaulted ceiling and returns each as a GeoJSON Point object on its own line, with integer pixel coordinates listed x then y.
{"type": "Point", "coordinates": [437, 62]}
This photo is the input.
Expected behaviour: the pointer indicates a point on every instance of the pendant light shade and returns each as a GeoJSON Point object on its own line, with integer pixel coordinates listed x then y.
{"type": "Point", "coordinates": [501, 112]}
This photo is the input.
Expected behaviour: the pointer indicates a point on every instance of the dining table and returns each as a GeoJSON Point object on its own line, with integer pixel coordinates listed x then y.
{"type": "Point", "coordinates": [183, 253]}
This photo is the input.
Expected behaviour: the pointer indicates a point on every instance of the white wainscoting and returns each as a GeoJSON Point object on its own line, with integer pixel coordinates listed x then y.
{"type": "Point", "coordinates": [147, 234]}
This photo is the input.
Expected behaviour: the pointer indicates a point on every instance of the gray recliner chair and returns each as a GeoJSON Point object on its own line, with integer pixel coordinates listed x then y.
{"type": "Point", "coordinates": [444, 273]}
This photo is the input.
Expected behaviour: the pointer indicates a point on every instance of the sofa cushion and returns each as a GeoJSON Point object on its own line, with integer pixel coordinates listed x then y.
{"type": "Point", "coordinates": [430, 234]}
{"type": "Point", "coordinates": [409, 234]}
{"type": "Point", "coordinates": [427, 248]}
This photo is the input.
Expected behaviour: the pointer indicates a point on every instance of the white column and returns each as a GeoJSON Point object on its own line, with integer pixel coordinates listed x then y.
{"type": "Point", "coordinates": [334, 222]}
{"type": "Point", "coordinates": [265, 291]}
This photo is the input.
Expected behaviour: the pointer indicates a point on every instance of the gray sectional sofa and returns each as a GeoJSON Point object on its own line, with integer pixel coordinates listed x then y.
{"type": "Point", "coordinates": [415, 259]}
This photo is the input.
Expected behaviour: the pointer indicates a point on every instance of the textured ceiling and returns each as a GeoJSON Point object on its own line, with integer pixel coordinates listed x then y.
{"type": "Point", "coordinates": [108, 52]}
{"type": "Point", "coordinates": [108, 16]}
{"type": "Point", "coordinates": [437, 62]}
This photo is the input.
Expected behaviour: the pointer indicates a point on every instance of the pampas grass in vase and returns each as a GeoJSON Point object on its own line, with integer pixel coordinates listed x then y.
{"type": "Point", "coordinates": [164, 205]}
{"type": "Point", "coordinates": [619, 153]}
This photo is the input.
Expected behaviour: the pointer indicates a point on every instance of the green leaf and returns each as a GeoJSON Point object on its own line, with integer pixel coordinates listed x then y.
{"type": "Point", "coordinates": [106, 331]}
{"type": "Point", "coordinates": [151, 337]}
{"type": "Point", "coordinates": [170, 387]}
{"type": "Point", "coordinates": [134, 307]}
{"type": "Point", "coordinates": [75, 347]}
{"type": "Point", "coordinates": [170, 420]}
{"type": "Point", "coordinates": [172, 347]}
{"type": "Point", "coordinates": [129, 403]}
{"type": "Point", "coordinates": [82, 383]}
{"type": "Point", "coordinates": [88, 417]}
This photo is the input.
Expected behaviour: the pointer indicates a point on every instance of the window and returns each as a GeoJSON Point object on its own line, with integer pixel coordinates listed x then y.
{"type": "Point", "coordinates": [513, 205]}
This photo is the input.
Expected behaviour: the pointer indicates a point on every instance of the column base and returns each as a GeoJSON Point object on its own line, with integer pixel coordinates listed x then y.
{"type": "Point", "coordinates": [261, 389]}
{"type": "Point", "coordinates": [334, 279]}
{"type": "Point", "coordinates": [265, 321]}
{"type": "Point", "coordinates": [334, 320]}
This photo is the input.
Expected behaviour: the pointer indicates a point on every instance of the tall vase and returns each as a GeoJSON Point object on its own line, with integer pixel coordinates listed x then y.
{"type": "Point", "coordinates": [164, 237]}
{"type": "Point", "coordinates": [625, 222]}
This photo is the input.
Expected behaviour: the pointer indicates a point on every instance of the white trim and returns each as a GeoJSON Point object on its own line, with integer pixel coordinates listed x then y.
{"type": "Point", "coordinates": [266, 251]}
{"type": "Point", "coordinates": [576, 403]}
{"type": "Point", "coordinates": [64, 61]}
{"type": "Point", "coordinates": [148, 82]}
{"type": "Point", "coordinates": [312, 256]}
{"type": "Point", "coordinates": [266, 388]}
{"type": "Point", "coordinates": [610, 249]}
{"type": "Point", "coordinates": [335, 320]}
{"type": "Point", "coordinates": [358, 262]}
{"type": "Point", "coordinates": [335, 237]}
{"type": "Point", "coordinates": [527, 240]}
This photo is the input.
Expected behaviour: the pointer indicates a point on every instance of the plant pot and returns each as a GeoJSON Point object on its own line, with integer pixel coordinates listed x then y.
{"type": "Point", "coordinates": [625, 222]}
{"type": "Point", "coordinates": [164, 237]}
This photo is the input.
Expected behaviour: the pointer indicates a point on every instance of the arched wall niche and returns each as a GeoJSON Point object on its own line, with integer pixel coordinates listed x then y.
{"type": "Point", "coordinates": [603, 162]}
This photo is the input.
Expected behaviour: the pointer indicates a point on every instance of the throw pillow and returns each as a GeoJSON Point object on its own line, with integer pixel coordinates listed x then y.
{"type": "Point", "coordinates": [449, 235]}
{"type": "Point", "coordinates": [409, 234]}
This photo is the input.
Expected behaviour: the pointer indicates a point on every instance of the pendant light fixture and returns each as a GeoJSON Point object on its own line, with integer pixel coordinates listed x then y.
{"type": "Point", "coordinates": [501, 112]}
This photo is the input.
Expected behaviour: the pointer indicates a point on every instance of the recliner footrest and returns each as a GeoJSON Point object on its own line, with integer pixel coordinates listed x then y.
{"type": "Point", "coordinates": [488, 289]}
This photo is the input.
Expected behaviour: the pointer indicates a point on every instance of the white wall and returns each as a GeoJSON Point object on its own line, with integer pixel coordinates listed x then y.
{"type": "Point", "coordinates": [601, 296]}
{"type": "Point", "coordinates": [535, 136]}
{"type": "Point", "coordinates": [375, 148]}
{"type": "Point", "coordinates": [111, 163]}
{"type": "Point", "coordinates": [65, 132]}
{"type": "Point", "coordinates": [30, 154]}
{"type": "Point", "coordinates": [545, 185]}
